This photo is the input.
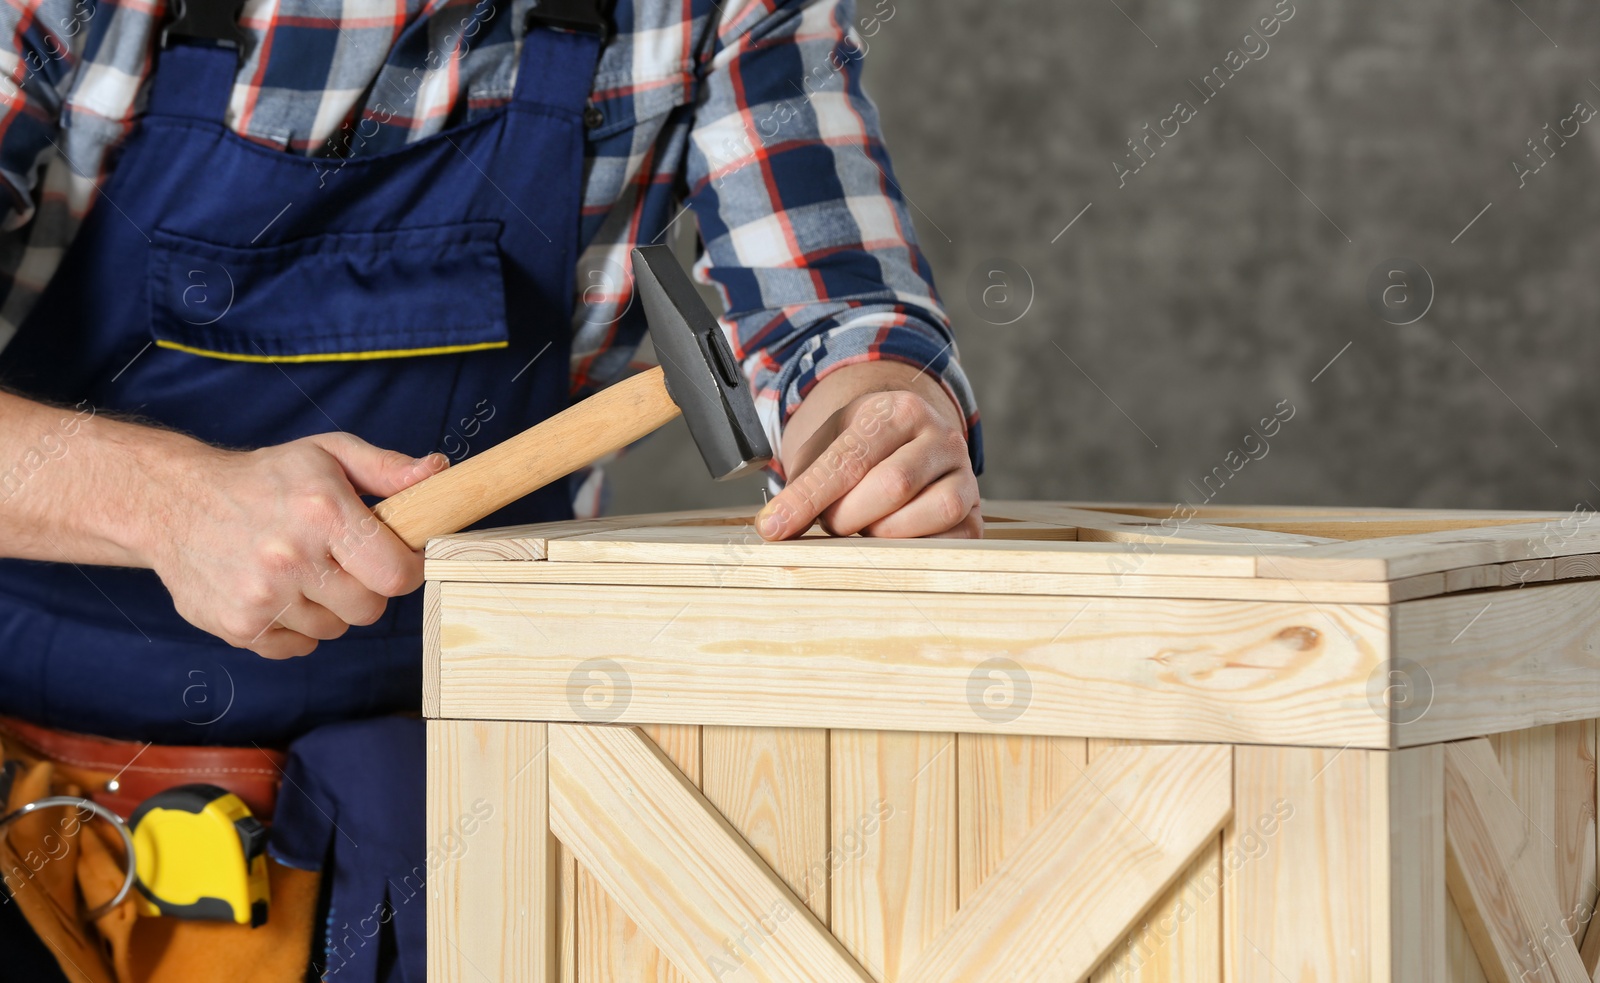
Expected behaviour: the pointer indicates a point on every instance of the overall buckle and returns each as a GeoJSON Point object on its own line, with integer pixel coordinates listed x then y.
{"type": "Point", "coordinates": [214, 22]}
{"type": "Point", "coordinates": [583, 16]}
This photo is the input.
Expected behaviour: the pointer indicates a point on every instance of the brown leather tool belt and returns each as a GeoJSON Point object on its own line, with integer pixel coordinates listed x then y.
{"type": "Point", "coordinates": [139, 770]}
{"type": "Point", "coordinates": [58, 869]}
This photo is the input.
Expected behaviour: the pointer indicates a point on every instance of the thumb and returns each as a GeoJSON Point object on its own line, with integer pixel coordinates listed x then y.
{"type": "Point", "coordinates": [374, 471]}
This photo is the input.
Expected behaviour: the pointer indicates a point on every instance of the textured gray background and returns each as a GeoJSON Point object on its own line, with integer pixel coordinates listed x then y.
{"type": "Point", "coordinates": [1209, 288]}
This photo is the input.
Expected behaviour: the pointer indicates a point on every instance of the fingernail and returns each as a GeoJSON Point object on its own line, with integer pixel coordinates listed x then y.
{"type": "Point", "coordinates": [768, 522]}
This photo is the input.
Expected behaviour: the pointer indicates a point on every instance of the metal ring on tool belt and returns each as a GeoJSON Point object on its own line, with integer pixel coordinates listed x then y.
{"type": "Point", "coordinates": [104, 813]}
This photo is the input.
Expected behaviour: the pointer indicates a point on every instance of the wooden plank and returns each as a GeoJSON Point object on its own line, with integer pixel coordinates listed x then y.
{"type": "Point", "coordinates": [1550, 773]}
{"type": "Point", "coordinates": [1007, 784]}
{"type": "Point", "coordinates": [1268, 513]}
{"type": "Point", "coordinates": [1179, 940]}
{"type": "Point", "coordinates": [1405, 556]}
{"type": "Point", "coordinates": [771, 784]}
{"type": "Point", "coordinates": [1576, 882]}
{"type": "Point", "coordinates": [1569, 567]}
{"type": "Point", "coordinates": [1225, 671]}
{"type": "Point", "coordinates": [527, 542]}
{"type": "Point", "coordinates": [894, 794]}
{"type": "Point", "coordinates": [1003, 582]}
{"type": "Point", "coordinates": [1075, 884]}
{"type": "Point", "coordinates": [1473, 578]}
{"type": "Point", "coordinates": [567, 914]}
{"type": "Point", "coordinates": [1406, 852]}
{"type": "Point", "coordinates": [1496, 879]}
{"type": "Point", "coordinates": [430, 648]}
{"type": "Point", "coordinates": [491, 902]}
{"type": "Point", "coordinates": [1184, 527]}
{"type": "Point", "coordinates": [682, 746]}
{"type": "Point", "coordinates": [734, 547]}
{"type": "Point", "coordinates": [612, 946]}
{"type": "Point", "coordinates": [1216, 513]}
{"type": "Point", "coordinates": [864, 578]}
{"type": "Point", "coordinates": [1351, 528]}
{"type": "Point", "coordinates": [1504, 661]}
{"type": "Point", "coordinates": [1590, 948]}
{"type": "Point", "coordinates": [1461, 961]}
{"type": "Point", "coordinates": [1029, 530]}
{"type": "Point", "coordinates": [660, 850]}
{"type": "Point", "coordinates": [1528, 761]}
{"type": "Point", "coordinates": [1296, 862]}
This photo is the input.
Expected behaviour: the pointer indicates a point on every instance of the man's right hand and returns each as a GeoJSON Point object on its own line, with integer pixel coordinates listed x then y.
{"type": "Point", "coordinates": [273, 550]}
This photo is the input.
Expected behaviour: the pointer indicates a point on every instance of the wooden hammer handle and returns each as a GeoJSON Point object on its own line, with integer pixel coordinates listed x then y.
{"type": "Point", "coordinates": [580, 434]}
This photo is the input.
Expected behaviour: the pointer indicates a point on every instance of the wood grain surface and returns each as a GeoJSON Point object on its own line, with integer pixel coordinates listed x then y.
{"type": "Point", "coordinates": [490, 854]}
{"type": "Point", "coordinates": [1190, 670]}
{"type": "Point", "coordinates": [668, 858]}
{"type": "Point", "coordinates": [1075, 884]}
{"type": "Point", "coordinates": [1497, 875]}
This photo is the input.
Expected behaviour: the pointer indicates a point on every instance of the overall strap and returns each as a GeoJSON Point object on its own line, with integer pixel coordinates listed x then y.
{"type": "Point", "coordinates": [197, 58]}
{"type": "Point", "coordinates": [559, 52]}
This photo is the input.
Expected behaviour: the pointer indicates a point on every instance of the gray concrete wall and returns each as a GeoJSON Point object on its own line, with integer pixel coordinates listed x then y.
{"type": "Point", "coordinates": [1235, 268]}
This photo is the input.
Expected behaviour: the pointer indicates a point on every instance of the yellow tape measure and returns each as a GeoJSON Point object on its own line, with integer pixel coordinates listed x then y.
{"type": "Point", "coordinates": [200, 855]}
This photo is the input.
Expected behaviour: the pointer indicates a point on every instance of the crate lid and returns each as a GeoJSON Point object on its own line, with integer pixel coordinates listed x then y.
{"type": "Point", "coordinates": [1305, 553]}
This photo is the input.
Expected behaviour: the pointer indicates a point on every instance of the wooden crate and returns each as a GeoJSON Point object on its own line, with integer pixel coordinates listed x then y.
{"type": "Point", "coordinates": [1105, 743]}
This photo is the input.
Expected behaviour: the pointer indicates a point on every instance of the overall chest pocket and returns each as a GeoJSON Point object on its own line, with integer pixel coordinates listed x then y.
{"type": "Point", "coordinates": [335, 297]}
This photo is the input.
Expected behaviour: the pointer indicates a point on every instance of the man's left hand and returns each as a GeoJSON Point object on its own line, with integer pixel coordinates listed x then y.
{"type": "Point", "coordinates": [877, 448]}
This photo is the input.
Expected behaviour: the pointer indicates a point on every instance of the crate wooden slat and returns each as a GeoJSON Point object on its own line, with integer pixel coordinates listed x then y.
{"type": "Point", "coordinates": [1108, 742]}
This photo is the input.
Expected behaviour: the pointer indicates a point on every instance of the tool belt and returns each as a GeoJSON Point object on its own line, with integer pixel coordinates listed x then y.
{"type": "Point", "coordinates": [139, 770]}
{"type": "Point", "coordinates": [58, 864]}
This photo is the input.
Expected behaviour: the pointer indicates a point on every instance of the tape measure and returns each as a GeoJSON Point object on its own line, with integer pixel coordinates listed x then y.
{"type": "Point", "coordinates": [200, 855]}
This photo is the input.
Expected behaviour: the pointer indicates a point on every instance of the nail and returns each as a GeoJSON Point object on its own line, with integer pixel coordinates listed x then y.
{"type": "Point", "coordinates": [768, 522]}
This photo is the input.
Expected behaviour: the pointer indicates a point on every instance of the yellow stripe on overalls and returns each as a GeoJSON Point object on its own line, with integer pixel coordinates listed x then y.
{"type": "Point", "coordinates": [334, 356]}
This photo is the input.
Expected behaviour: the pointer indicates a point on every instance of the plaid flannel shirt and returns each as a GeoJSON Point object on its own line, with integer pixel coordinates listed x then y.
{"type": "Point", "coordinates": [748, 112]}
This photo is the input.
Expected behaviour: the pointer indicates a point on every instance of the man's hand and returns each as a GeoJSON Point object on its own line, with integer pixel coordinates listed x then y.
{"type": "Point", "coordinates": [877, 448]}
{"type": "Point", "coordinates": [273, 550]}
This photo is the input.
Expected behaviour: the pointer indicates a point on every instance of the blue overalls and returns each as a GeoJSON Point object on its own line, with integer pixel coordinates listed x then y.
{"type": "Point", "coordinates": [250, 296]}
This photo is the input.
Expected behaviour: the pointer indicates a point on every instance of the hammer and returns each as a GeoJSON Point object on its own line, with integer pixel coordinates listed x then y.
{"type": "Point", "coordinates": [697, 377]}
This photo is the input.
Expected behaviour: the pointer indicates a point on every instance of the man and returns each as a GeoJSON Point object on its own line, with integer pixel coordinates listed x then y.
{"type": "Point", "coordinates": [262, 263]}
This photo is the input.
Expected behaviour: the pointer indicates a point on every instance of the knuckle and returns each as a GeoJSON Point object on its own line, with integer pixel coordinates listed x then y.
{"type": "Point", "coordinates": [239, 628]}
{"type": "Point", "coordinates": [276, 560]}
{"type": "Point", "coordinates": [257, 594]}
{"type": "Point", "coordinates": [907, 406]}
{"type": "Point", "coordinates": [393, 579]}
{"type": "Point", "coordinates": [368, 610]}
{"type": "Point", "coordinates": [320, 507]}
{"type": "Point", "coordinates": [971, 498]}
{"type": "Point", "coordinates": [898, 484]}
{"type": "Point", "coordinates": [951, 508]}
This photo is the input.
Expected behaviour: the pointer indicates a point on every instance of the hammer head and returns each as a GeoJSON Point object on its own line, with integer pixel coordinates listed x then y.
{"type": "Point", "coordinates": [702, 376]}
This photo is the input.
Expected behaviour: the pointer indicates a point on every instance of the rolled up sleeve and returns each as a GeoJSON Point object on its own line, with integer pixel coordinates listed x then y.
{"type": "Point", "coordinates": [807, 234]}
